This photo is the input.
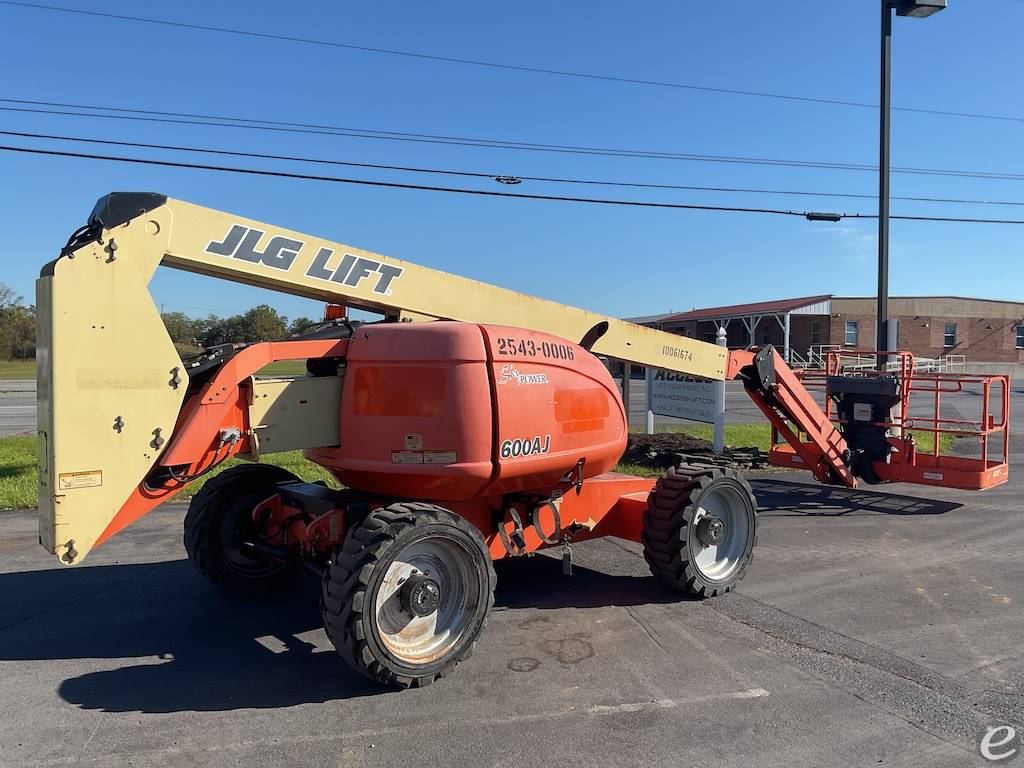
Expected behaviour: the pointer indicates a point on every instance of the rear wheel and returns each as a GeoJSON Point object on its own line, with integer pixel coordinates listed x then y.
{"type": "Point", "coordinates": [406, 596]}
{"type": "Point", "coordinates": [699, 529]}
{"type": "Point", "coordinates": [219, 523]}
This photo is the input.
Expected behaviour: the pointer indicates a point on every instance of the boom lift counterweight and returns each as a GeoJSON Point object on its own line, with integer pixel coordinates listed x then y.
{"type": "Point", "coordinates": [487, 433]}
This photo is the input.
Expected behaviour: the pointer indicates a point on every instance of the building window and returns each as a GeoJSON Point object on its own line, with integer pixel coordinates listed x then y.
{"type": "Point", "coordinates": [766, 335]}
{"type": "Point", "coordinates": [1020, 336]}
{"type": "Point", "coordinates": [949, 335]}
{"type": "Point", "coordinates": [815, 332]}
{"type": "Point", "coordinates": [851, 333]}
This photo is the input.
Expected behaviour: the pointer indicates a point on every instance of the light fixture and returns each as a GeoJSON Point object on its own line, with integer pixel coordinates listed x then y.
{"type": "Point", "coordinates": [918, 9]}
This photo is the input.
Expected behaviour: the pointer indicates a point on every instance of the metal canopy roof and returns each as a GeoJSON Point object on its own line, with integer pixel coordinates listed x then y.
{"type": "Point", "coordinates": [761, 308]}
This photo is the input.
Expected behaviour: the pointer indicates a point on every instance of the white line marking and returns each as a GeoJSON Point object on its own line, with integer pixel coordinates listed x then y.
{"type": "Point", "coordinates": [752, 693]}
{"type": "Point", "coordinates": [429, 725]}
{"type": "Point", "coordinates": [91, 736]}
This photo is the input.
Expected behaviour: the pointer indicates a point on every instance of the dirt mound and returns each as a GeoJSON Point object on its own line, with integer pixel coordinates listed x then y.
{"type": "Point", "coordinates": [667, 449]}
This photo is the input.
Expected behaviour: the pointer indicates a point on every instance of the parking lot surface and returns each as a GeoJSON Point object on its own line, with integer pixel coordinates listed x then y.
{"type": "Point", "coordinates": [875, 627]}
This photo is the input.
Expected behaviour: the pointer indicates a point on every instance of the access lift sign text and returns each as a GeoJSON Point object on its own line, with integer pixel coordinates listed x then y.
{"type": "Point", "coordinates": [673, 394]}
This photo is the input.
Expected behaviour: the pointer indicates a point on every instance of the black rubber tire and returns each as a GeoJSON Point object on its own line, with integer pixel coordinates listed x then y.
{"type": "Point", "coordinates": [671, 508]}
{"type": "Point", "coordinates": [355, 574]}
{"type": "Point", "coordinates": [230, 496]}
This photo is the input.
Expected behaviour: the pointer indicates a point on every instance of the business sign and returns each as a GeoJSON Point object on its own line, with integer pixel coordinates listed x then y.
{"type": "Point", "coordinates": [684, 397]}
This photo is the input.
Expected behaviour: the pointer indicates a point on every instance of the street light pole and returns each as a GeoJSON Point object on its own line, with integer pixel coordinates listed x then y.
{"type": "Point", "coordinates": [881, 338]}
{"type": "Point", "coordinates": [916, 9]}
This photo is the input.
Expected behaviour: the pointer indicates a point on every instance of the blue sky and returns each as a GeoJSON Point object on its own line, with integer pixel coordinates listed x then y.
{"type": "Point", "coordinates": [623, 261]}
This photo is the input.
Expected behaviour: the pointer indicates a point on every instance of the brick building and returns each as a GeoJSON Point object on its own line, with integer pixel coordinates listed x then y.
{"type": "Point", "coordinates": [982, 330]}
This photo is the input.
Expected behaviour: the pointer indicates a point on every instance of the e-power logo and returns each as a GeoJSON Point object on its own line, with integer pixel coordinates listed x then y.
{"type": "Point", "coordinates": [280, 253]}
{"type": "Point", "coordinates": [509, 373]}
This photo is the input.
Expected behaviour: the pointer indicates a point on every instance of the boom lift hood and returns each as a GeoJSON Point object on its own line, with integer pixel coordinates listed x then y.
{"type": "Point", "coordinates": [111, 385]}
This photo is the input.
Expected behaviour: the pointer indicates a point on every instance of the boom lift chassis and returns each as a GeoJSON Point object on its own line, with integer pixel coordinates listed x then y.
{"type": "Point", "coordinates": [508, 427]}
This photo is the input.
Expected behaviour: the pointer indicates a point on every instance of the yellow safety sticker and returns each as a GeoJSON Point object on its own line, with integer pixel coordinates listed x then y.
{"type": "Point", "coordinates": [70, 480]}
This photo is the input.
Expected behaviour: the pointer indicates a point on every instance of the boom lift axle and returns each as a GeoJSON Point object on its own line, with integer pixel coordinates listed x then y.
{"type": "Point", "coordinates": [474, 424]}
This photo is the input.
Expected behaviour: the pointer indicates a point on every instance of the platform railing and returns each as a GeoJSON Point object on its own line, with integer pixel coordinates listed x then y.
{"type": "Point", "coordinates": [919, 437]}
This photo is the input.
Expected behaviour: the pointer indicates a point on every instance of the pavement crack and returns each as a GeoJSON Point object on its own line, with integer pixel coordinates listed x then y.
{"type": "Point", "coordinates": [647, 628]}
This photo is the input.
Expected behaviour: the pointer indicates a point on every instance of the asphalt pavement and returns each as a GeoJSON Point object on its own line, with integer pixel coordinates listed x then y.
{"type": "Point", "coordinates": [873, 628]}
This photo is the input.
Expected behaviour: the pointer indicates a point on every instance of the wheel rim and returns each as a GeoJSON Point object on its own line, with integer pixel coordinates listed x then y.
{"type": "Point", "coordinates": [720, 532]}
{"type": "Point", "coordinates": [421, 639]}
{"type": "Point", "coordinates": [236, 528]}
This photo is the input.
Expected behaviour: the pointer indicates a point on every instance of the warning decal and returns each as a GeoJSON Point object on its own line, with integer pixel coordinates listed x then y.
{"type": "Point", "coordinates": [70, 480]}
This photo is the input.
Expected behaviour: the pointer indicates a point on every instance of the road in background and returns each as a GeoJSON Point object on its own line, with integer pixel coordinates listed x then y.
{"type": "Point", "coordinates": [17, 407]}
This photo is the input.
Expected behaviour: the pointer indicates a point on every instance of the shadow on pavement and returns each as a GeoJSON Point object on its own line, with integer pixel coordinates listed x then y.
{"type": "Point", "coordinates": [780, 498]}
{"type": "Point", "coordinates": [537, 582]}
{"type": "Point", "coordinates": [209, 656]}
{"type": "Point", "coordinates": [178, 644]}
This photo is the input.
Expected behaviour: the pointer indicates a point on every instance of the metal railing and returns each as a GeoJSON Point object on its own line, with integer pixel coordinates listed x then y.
{"type": "Point", "coordinates": [818, 357]}
{"type": "Point", "coordinates": [817, 354]}
{"type": "Point", "coordinates": [919, 434]}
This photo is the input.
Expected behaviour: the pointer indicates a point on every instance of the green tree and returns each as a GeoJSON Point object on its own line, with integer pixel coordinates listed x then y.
{"type": "Point", "coordinates": [17, 326]}
{"type": "Point", "coordinates": [219, 330]}
{"type": "Point", "coordinates": [179, 327]}
{"type": "Point", "coordinates": [299, 323]}
{"type": "Point", "coordinates": [263, 323]}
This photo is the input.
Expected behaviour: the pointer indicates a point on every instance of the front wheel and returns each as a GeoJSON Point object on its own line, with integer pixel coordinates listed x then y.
{"type": "Point", "coordinates": [219, 525]}
{"type": "Point", "coordinates": [406, 596]}
{"type": "Point", "coordinates": [699, 529]}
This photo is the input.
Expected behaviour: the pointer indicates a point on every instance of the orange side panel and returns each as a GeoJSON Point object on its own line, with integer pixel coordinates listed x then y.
{"type": "Point", "coordinates": [415, 412]}
{"type": "Point", "coordinates": [582, 410]}
{"type": "Point", "coordinates": [399, 390]}
{"type": "Point", "coordinates": [555, 404]}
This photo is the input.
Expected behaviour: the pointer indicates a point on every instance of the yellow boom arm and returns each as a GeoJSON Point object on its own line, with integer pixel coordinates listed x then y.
{"type": "Point", "coordinates": [219, 244]}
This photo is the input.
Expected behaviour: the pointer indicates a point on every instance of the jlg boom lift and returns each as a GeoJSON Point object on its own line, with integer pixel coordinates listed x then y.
{"type": "Point", "coordinates": [484, 429]}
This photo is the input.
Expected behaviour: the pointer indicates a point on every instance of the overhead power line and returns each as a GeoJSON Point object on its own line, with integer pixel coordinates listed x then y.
{"type": "Point", "coordinates": [302, 128]}
{"type": "Point", "coordinates": [500, 66]}
{"type": "Point", "coordinates": [486, 193]}
{"type": "Point", "coordinates": [395, 185]}
{"type": "Point", "coordinates": [503, 178]}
